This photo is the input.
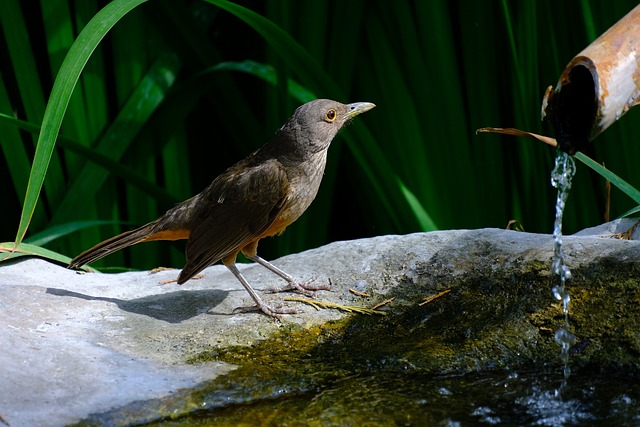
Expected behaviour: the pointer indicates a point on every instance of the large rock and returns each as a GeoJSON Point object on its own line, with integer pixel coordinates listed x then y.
{"type": "Point", "coordinates": [124, 348]}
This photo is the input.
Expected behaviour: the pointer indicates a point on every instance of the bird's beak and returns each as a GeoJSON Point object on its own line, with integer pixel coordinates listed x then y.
{"type": "Point", "coordinates": [357, 108]}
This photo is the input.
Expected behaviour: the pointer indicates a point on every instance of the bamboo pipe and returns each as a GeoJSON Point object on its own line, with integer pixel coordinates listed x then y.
{"type": "Point", "coordinates": [597, 87]}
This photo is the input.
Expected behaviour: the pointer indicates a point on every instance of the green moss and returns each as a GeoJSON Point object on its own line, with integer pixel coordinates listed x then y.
{"type": "Point", "coordinates": [489, 320]}
{"type": "Point", "coordinates": [486, 322]}
{"type": "Point", "coordinates": [288, 344]}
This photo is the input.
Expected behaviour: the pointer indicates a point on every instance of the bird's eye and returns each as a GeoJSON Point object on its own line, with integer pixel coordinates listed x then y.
{"type": "Point", "coordinates": [331, 115]}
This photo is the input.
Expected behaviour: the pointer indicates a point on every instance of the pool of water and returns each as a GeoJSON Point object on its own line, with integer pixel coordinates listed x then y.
{"type": "Point", "coordinates": [531, 398]}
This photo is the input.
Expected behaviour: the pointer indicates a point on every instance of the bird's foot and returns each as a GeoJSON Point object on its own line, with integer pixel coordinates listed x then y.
{"type": "Point", "coordinates": [306, 288]}
{"type": "Point", "coordinates": [274, 312]}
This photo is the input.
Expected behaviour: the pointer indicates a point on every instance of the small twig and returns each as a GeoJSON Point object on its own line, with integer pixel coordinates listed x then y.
{"type": "Point", "coordinates": [432, 297]}
{"type": "Point", "coordinates": [166, 282]}
{"type": "Point", "coordinates": [326, 304]}
{"type": "Point", "coordinates": [159, 269]}
{"type": "Point", "coordinates": [385, 302]}
{"type": "Point", "coordinates": [625, 235]}
{"type": "Point", "coordinates": [515, 225]}
{"type": "Point", "coordinates": [517, 132]}
{"type": "Point", "coordinates": [361, 294]}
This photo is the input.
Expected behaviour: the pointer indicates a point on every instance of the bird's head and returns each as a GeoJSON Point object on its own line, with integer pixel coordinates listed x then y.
{"type": "Point", "coordinates": [314, 124]}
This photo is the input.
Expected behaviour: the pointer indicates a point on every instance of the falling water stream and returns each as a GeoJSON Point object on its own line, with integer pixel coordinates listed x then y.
{"type": "Point", "coordinates": [561, 179]}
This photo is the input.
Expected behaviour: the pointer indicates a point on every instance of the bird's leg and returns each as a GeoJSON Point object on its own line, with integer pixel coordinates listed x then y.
{"type": "Point", "coordinates": [304, 288]}
{"type": "Point", "coordinates": [273, 312]}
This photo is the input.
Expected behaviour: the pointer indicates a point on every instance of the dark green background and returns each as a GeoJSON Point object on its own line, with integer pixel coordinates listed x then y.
{"type": "Point", "coordinates": [437, 70]}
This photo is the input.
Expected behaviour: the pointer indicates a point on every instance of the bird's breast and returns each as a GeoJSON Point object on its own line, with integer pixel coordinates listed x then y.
{"type": "Point", "coordinates": [303, 188]}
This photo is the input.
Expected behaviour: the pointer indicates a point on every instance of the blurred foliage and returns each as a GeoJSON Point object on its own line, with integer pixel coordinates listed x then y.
{"type": "Point", "coordinates": [176, 92]}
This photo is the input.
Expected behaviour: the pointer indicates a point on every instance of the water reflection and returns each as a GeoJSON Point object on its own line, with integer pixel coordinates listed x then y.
{"type": "Point", "coordinates": [407, 399]}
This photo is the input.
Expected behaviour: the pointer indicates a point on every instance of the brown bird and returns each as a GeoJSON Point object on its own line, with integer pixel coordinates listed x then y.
{"type": "Point", "coordinates": [257, 197]}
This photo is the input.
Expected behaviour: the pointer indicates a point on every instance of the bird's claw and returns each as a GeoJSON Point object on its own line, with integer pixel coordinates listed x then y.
{"type": "Point", "coordinates": [306, 288]}
{"type": "Point", "coordinates": [274, 312]}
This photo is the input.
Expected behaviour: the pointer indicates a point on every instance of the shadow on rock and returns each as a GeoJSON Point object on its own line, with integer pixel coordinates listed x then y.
{"type": "Point", "coordinates": [172, 307]}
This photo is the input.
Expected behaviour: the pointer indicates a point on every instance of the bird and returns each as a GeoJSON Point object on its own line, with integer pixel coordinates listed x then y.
{"type": "Point", "coordinates": [256, 198]}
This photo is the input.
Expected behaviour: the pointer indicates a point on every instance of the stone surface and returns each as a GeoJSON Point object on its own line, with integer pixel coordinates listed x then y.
{"type": "Point", "coordinates": [76, 345]}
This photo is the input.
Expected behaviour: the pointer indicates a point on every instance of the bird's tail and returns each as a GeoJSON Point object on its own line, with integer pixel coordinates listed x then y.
{"type": "Point", "coordinates": [173, 225]}
{"type": "Point", "coordinates": [151, 231]}
{"type": "Point", "coordinates": [110, 246]}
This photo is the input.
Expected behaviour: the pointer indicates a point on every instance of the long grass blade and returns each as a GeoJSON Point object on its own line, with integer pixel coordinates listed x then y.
{"type": "Point", "coordinates": [423, 217]}
{"type": "Point", "coordinates": [615, 180]}
{"type": "Point", "coordinates": [61, 92]}
{"type": "Point", "coordinates": [268, 74]}
{"type": "Point", "coordinates": [13, 148]}
{"type": "Point", "coordinates": [114, 167]}
{"type": "Point", "coordinates": [58, 231]}
{"type": "Point", "coordinates": [8, 250]}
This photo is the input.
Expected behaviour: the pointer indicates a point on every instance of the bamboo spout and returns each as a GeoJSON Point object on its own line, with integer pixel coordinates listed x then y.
{"type": "Point", "coordinates": [597, 87]}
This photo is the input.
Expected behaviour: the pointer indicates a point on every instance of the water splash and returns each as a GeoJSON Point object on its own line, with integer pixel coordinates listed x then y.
{"type": "Point", "coordinates": [561, 177]}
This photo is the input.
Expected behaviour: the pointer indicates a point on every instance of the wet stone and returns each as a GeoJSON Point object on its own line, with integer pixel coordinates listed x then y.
{"type": "Point", "coordinates": [122, 349]}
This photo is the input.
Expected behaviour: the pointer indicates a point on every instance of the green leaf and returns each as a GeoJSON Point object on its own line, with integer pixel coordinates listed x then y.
{"type": "Point", "coordinates": [297, 58]}
{"type": "Point", "coordinates": [12, 146]}
{"type": "Point", "coordinates": [32, 99]}
{"type": "Point", "coordinates": [9, 250]}
{"type": "Point", "coordinates": [114, 167]}
{"type": "Point", "coordinates": [268, 74]}
{"type": "Point", "coordinates": [63, 87]}
{"type": "Point", "coordinates": [425, 221]}
{"type": "Point", "coordinates": [615, 180]}
{"type": "Point", "coordinates": [630, 212]}
{"type": "Point", "coordinates": [54, 232]}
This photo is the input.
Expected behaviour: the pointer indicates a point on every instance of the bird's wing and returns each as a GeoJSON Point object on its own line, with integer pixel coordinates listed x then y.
{"type": "Point", "coordinates": [237, 208]}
